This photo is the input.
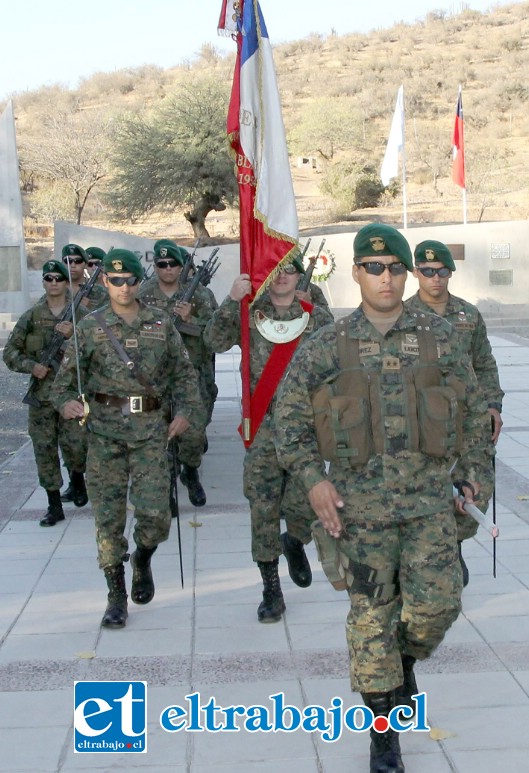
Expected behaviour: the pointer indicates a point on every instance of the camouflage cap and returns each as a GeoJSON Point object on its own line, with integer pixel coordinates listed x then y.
{"type": "Point", "coordinates": [164, 249]}
{"type": "Point", "coordinates": [96, 253]}
{"type": "Point", "coordinates": [431, 251]}
{"type": "Point", "coordinates": [55, 267]}
{"type": "Point", "coordinates": [378, 239]}
{"type": "Point", "coordinates": [74, 249]}
{"type": "Point", "coordinates": [121, 261]}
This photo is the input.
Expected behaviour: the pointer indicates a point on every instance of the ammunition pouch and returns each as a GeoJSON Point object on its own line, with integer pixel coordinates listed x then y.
{"type": "Point", "coordinates": [380, 584]}
{"type": "Point", "coordinates": [329, 556]}
{"type": "Point", "coordinates": [350, 414]}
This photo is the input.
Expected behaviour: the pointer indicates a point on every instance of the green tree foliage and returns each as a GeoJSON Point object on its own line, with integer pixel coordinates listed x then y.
{"type": "Point", "coordinates": [353, 185]}
{"type": "Point", "coordinates": [325, 127]}
{"type": "Point", "coordinates": [177, 156]}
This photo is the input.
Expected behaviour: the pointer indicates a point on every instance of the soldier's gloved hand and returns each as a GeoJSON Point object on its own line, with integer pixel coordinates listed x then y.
{"type": "Point", "coordinates": [177, 427]}
{"type": "Point", "coordinates": [73, 409]}
{"type": "Point", "coordinates": [241, 287]}
{"type": "Point", "coordinates": [40, 371]}
{"type": "Point", "coordinates": [324, 500]}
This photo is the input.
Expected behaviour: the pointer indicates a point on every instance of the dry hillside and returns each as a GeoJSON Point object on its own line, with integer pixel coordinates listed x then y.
{"type": "Point", "coordinates": [487, 53]}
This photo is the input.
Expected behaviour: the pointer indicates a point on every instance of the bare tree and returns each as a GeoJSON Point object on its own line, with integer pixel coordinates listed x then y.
{"type": "Point", "coordinates": [70, 152]}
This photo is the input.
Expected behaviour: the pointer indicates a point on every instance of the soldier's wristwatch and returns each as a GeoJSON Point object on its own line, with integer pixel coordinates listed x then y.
{"type": "Point", "coordinates": [496, 406]}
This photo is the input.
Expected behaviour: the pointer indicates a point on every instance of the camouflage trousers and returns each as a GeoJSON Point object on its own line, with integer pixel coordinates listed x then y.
{"type": "Point", "coordinates": [110, 465]}
{"type": "Point", "coordinates": [49, 432]}
{"type": "Point", "coordinates": [404, 606]}
{"type": "Point", "coordinates": [272, 495]}
{"type": "Point", "coordinates": [191, 446]}
{"type": "Point", "coordinates": [208, 388]}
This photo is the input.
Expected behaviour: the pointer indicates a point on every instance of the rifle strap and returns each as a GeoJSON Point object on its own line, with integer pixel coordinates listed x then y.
{"type": "Point", "coordinates": [123, 356]}
{"type": "Point", "coordinates": [269, 379]}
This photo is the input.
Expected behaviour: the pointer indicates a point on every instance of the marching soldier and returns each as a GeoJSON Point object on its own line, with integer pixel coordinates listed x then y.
{"type": "Point", "coordinates": [77, 260]}
{"type": "Point", "coordinates": [190, 319]}
{"type": "Point", "coordinates": [95, 257]}
{"type": "Point", "coordinates": [131, 363]}
{"type": "Point", "coordinates": [375, 395]}
{"type": "Point", "coordinates": [278, 320]}
{"type": "Point", "coordinates": [23, 352]}
{"type": "Point", "coordinates": [434, 265]}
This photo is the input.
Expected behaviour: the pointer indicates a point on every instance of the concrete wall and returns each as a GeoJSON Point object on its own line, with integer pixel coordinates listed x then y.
{"type": "Point", "coordinates": [14, 295]}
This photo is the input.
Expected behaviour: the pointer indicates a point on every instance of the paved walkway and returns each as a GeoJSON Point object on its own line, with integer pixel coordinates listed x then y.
{"type": "Point", "coordinates": [206, 638]}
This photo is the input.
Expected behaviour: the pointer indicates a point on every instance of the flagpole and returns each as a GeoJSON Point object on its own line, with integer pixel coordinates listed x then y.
{"type": "Point", "coordinates": [404, 200]}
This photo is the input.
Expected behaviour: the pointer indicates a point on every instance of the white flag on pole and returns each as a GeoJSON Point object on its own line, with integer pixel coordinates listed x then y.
{"type": "Point", "coordinates": [395, 146]}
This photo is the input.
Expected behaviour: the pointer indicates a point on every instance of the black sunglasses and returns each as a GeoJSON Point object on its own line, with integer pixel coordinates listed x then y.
{"type": "Point", "coordinates": [92, 263]}
{"type": "Point", "coordinates": [77, 261]}
{"type": "Point", "coordinates": [119, 281]}
{"type": "Point", "coordinates": [166, 263]}
{"type": "Point", "coordinates": [289, 269]}
{"type": "Point", "coordinates": [52, 278]}
{"type": "Point", "coordinates": [377, 268]}
{"type": "Point", "coordinates": [429, 272]}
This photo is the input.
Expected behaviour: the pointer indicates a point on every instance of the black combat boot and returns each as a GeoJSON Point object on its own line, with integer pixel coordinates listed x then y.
{"type": "Point", "coordinates": [142, 590]}
{"type": "Point", "coordinates": [190, 479]}
{"type": "Point", "coordinates": [273, 605]}
{"type": "Point", "coordinates": [298, 563]}
{"type": "Point", "coordinates": [76, 491]}
{"type": "Point", "coordinates": [55, 512]}
{"type": "Point", "coordinates": [464, 567]}
{"type": "Point", "coordinates": [385, 747]}
{"type": "Point", "coordinates": [116, 612]}
{"type": "Point", "coordinates": [409, 684]}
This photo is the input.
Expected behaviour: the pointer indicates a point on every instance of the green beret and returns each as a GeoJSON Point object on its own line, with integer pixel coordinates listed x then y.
{"type": "Point", "coordinates": [95, 252]}
{"type": "Point", "coordinates": [164, 249]}
{"type": "Point", "coordinates": [431, 251]}
{"type": "Point", "coordinates": [74, 249]}
{"type": "Point", "coordinates": [377, 239]}
{"type": "Point", "coordinates": [120, 261]}
{"type": "Point", "coordinates": [55, 267]}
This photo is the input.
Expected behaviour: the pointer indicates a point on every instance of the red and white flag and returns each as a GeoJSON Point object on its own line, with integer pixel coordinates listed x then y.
{"type": "Point", "coordinates": [268, 215]}
{"type": "Point", "coordinates": [458, 143]}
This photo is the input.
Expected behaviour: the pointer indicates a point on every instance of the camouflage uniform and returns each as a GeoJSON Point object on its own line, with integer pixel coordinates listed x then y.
{"type": "Point", "coordinates": [264, 478]}
{"type": "Point", "coordinates": [134, 445]}
{"type": "Point", "coordinates": [398, 539]}
{"type": "Point", "coordinates": [470, 326]}
{"type": "Point", "coordinates": [98, 297]}
{"type": "Point", "coordinates": [317, 296]}
{"type": "Point", "coordinates": [48, 431]}
{"type": "Point", "coordinates": [192, 336]}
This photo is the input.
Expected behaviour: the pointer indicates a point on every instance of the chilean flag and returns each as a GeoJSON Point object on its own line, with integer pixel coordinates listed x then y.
{"type": "Point", "coordinates": [268, 216]}
{"type": "Point", "coordinates": [458, 164]}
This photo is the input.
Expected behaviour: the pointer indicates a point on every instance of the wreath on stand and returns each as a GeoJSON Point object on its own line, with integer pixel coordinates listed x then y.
{"type": "Point", "coordinates": [325, 265]}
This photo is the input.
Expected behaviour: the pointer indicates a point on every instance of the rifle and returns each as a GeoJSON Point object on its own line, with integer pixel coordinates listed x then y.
{"type": "Point", "coordinates": [304, 282]}
{"type": "Point", "coordinates": [173, 495]}
{"type": "Point", "coordinates": [50, 354]}
{"type": "Point", "coordinates": [210, 272]}
{"type": "Point", "coordinates": [188, 265]}
{"type": "Point", "coordinates": [189, 291]}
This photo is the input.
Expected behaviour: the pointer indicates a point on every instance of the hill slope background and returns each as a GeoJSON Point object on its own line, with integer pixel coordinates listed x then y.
{"type": "Point", "coordinates": [358, 75]}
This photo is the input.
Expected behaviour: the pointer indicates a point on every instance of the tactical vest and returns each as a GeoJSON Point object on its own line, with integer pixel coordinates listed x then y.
{"type": "Point", "coordinates": [350, 413]}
